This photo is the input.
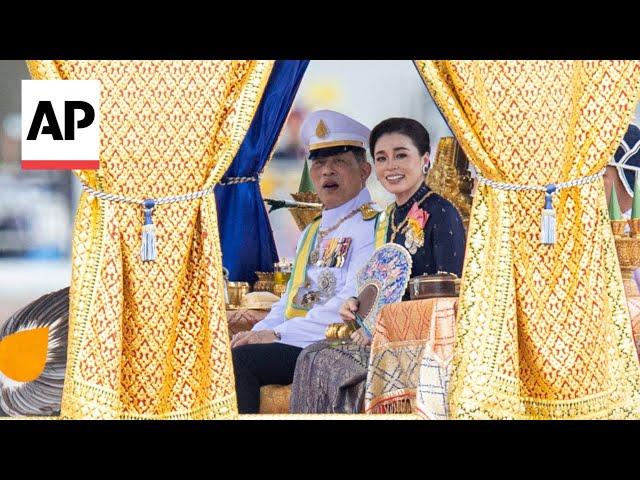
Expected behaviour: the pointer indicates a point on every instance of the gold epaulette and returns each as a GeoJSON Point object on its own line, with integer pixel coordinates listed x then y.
{"type": "Point", "coordinates": [368, 212]}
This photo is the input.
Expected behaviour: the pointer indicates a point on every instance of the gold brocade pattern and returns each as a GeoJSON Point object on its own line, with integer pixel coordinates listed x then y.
{"type": "Point", "coordinates": [543, 330]}
{"type": "Point", "coordinates": [150, 340]}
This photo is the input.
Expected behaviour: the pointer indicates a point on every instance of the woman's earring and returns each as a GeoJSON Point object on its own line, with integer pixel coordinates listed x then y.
{"type": "Point", "coordinates": [425, 168]}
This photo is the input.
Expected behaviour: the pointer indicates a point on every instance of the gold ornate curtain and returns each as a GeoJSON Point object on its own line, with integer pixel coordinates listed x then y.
{"type": "Point", "coordinates": [149, 340]}
{"type": "Point", "coordinates": [543, 330]}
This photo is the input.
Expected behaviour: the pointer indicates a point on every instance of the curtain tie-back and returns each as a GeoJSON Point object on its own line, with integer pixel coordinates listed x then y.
{"type": "Point", "coordinates": [236, 180]}
{"type": "Point", "coordinates": [548, 231]}
{"type": "Point", "coordinates": [148, 248]}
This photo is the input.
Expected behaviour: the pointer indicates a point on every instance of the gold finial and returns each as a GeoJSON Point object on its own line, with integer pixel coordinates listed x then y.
{"type": "Point", "coordinates": [322, 130]}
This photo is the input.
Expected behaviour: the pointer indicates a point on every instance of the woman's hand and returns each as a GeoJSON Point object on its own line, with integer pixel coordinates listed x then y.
{"type": "Point", "coordinates": [347, 309]}
{"type": "Point", "coordinates": [360, 338]}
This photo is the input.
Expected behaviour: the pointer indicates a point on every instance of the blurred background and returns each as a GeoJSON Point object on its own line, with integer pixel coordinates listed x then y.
{"type": "Point", "coordinates": [36, 210]}
{"type": "Point", "coordinates": [37, 207]}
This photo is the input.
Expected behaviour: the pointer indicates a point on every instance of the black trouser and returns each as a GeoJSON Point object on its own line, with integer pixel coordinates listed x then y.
{"type": "Point", "coordinates": [261, 364]}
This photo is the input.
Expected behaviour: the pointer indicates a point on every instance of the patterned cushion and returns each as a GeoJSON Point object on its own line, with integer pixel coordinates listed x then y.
{"type": "Point", "coordinates": [275, 399]}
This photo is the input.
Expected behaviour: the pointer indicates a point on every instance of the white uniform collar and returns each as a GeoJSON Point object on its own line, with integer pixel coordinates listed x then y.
{"type": "Point", "coordinates": [331, 217]}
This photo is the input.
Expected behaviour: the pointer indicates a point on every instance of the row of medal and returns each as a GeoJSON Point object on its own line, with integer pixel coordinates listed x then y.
{"type": "Point", "coordinates": [334, 254]}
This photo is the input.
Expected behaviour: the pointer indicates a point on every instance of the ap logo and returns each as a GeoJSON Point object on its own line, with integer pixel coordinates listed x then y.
{"type": "Point", "coordinates": [60, 124]}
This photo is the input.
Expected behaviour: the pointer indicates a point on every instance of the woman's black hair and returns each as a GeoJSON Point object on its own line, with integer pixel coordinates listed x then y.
{"type": "Point", "coordinates": [405, 126]}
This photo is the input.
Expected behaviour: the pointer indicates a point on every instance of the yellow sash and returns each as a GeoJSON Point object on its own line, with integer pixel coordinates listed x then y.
{"type": "Point", "coordinates": [382, 224]}
{"type": "Point", "coordinates": [300, 272]}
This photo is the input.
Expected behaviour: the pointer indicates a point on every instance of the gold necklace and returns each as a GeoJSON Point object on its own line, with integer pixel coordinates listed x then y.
{"type": "Point", "coordinates": [395, 230]}
{"type": "Point", "coordinates": [315, 253]}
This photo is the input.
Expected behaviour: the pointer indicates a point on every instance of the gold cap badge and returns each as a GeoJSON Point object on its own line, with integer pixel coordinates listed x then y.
{"type": "Point", "coordinates": [322, 130]}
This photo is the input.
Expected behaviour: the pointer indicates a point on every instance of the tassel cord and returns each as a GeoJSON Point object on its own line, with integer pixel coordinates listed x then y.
{"type": "Point", "coordinates": [548, 220]}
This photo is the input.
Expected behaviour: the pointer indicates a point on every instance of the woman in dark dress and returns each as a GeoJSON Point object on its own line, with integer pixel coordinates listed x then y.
{"type": "Point", "coordinates": [331, 379]}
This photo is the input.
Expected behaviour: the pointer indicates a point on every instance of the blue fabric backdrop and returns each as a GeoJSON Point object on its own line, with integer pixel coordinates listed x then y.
{"type": "Point", "coordinates": [245, 232]}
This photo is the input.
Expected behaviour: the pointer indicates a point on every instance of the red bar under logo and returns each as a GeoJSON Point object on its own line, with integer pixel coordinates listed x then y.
{"type": "Point", "coordinates": [60, 164]}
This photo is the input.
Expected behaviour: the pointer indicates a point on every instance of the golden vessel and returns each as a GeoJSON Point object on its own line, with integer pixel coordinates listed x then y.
{"type": "Point", "coordinates": [237, 291]}
{"type": "Point", "coordinates": [265, 282]}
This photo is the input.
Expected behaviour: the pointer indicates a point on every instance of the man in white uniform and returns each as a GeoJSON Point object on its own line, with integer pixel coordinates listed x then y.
{"type": "Point", "coordinates": [329, 254]}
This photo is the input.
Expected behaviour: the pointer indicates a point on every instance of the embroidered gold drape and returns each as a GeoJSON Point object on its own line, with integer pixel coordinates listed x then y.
{"type": "Point", "coordinates": [150, 340]}
{"type": "Point", "coordinates": [543, 331]}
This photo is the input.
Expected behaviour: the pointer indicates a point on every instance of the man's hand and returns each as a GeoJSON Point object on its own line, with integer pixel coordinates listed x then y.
{"type": "Point", "coordinates": [240, 338]}
{"type": "Point", "coordinates": [263, 336]}
{"type": "Point", "coordinates": [251, 337]}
